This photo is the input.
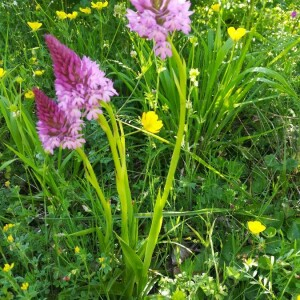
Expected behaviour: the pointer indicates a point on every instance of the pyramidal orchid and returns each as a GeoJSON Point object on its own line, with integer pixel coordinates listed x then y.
{"type": "Point", "coordinates": [79, 83]}
{"type": "Point", "coordinates": [56, 127]}
{"type": "Point", "coordinates": [155, 19]}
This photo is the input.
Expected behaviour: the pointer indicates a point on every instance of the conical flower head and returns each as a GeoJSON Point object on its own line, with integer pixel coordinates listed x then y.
{"type": "Point", "coordinates": [66, 63]}
{"type": "Point", "coordinates": [155, 19]}
{"type": "Point", "coordinates": [79, 83]}
{"type": "Point", "coordinates": [55, 127]}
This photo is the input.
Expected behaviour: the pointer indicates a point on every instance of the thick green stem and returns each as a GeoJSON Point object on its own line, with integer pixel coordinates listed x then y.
{"type": "Point", "coordinates": [162, 199]}
{"type": "Point", "coordinates": [117, 145]}
{"type": "Point", "coordinates": [116, 139]}
{"type": "Point", "coordinates": [105, 204]}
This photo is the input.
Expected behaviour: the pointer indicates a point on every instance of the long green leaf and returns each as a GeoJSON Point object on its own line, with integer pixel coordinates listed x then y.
{"type": "Point", "coordinates": [133, 259]}
{"type": "Point", "coordinates": [7, 163]}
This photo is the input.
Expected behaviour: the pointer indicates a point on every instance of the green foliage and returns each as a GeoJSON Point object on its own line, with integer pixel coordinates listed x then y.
{"type": "Point", "coordinates": [123, 220]}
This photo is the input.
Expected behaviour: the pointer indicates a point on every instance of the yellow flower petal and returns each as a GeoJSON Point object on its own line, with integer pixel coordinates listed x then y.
{"type": "Point", "coordinates": [8, 226]}
{"type": "Point", "coordinates": [29, 95]}
{"type": "Point", "coordinates": [256, 227]}
{"type": "Point", "coordinates": [39, 72]}
{"type": "Point", "coordinates": [61, 15]}
{"type": "Point", "coordinates": [2, 72]}
{"type": "Point", "coordinates": [216, 7]}
{"type": "Point", "coordinates": [24, 286]}
{"type": "Point", "coordinates": [150, 122]}
{"type": "Point", "coordinates": [86, 10]}
{"type": "Point", "coordinates": [10, 238]}
{"type": "Point", "coordinates": [99, 5]}
{"type": "Point", "coordinates": [236, 34]}
{"type": "Point", "coordinates": [8, 267]}
{"type": "Point", "coordinates": [34, 25]}
{"type": "Point", "coordinates": [73, 15]}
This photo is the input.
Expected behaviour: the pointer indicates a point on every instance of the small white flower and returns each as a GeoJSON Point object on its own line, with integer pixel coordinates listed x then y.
{"type": "Point", "coordinates": [249, 262]}
{"type": "Point", "coordinates": [16, 113]}
{"type": "Point", "coordinates": [133, 53]}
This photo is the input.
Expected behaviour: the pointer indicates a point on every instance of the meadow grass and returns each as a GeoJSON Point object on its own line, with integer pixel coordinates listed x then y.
{"type": "Point", "coordinates": [205, 208]}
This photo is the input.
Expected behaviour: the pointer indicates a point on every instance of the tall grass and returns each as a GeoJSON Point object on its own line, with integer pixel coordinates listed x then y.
{"type": "Point", "coordinates": [136, 215]}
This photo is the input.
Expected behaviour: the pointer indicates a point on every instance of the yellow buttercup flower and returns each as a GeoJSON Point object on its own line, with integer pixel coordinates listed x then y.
{"type": "Point", "coordinates": [256, 227]}
{"type": "Point", "coordinates": [216, 7]}
{"type": "Point", "coordinates": [34, 25]}
{"type": "Point", "coordinates": [24, 286]}
{"type": "Point", "coordinates": [236, 34]}
{"type": "Point", "coordinates": [8, 267]}
{"type": "Point", "coordinates": [76, 249]}
{"type": "Point", "coordinates": [10, 238]}
{"type": "Point", "coordinates": [99, 5]}
{"type": "Point", "coordinates": [39, 72]}
{"type": "Point", "coordinates": [7, 227]}
{"type": "Point", "coordinates": [2, 72]}
{"type": "Point", "coordinates": [298, 297]}
{"type": "Point", "coordinates": [61, 15]}
{"type": "Point", "coordinates": [86, 10]}
{"type": "Point", "coordinates": [150, 122]}
{"type": "Point", "coordinates": [29, 95]}
{"type": "Point", "coordinates": [73, 15]}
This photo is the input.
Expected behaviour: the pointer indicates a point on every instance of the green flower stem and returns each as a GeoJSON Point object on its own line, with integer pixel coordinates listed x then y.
{"type": "Point", "coordinates": [112, 141]}
{"type": "Point", "coordinates": [162, 199]}
{"type": "Point", "coordinates": [129, 234]}
{"type": "Point", "coordinates": [101, 35]}
{"type": "Point", "coordinates": [116, 141]}
{"type": "Point", "coordinates": [176, 153]}
{"type": "Point", "coordinates": [105, 204]}
{"type": "Point", "coordinates": [229, 66]}
{"type": "Point", "coordinates": [37, 38]}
